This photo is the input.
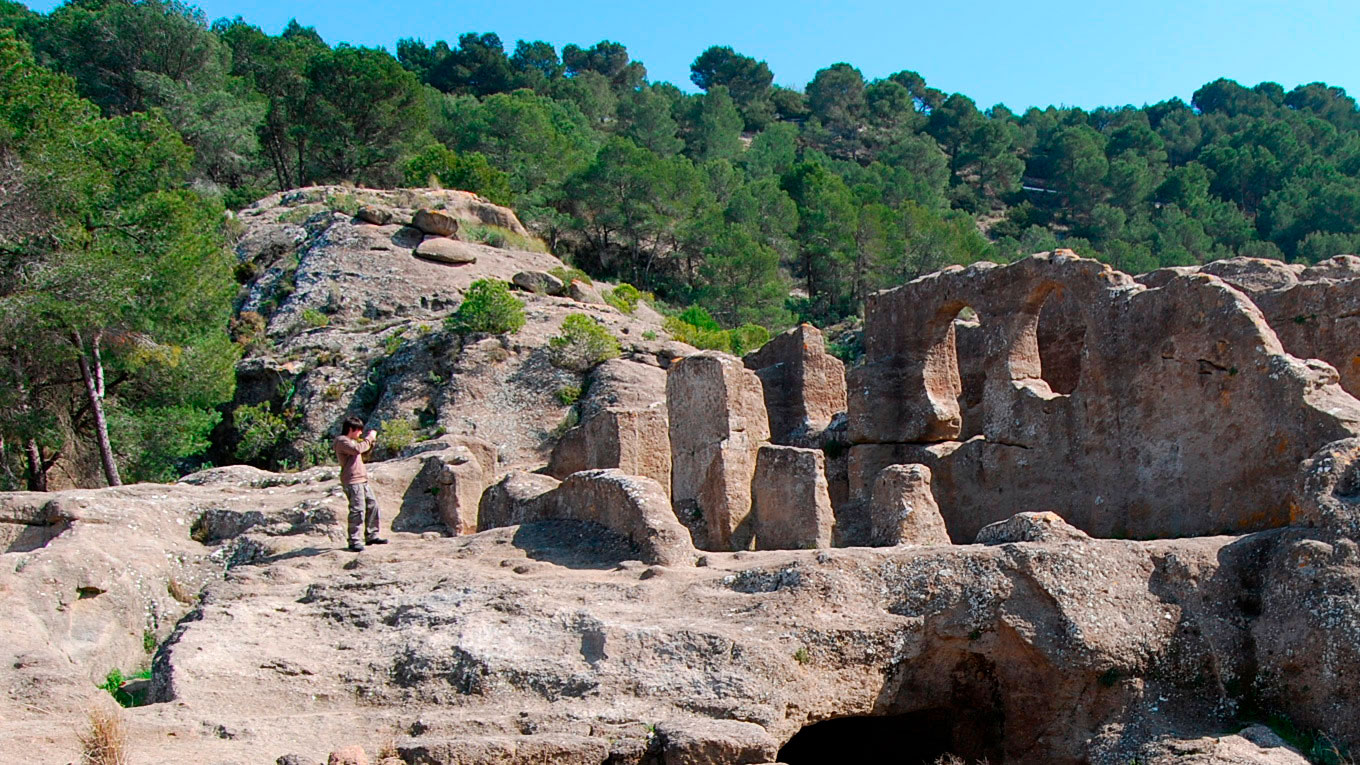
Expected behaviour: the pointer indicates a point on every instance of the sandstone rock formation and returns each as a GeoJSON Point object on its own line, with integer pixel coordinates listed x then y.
{"type": "Point", "coordinates": [443, 250]}
{"type": "Point", "coordinates": [1150, 440]}
{"type": "Point", "coordinates": [435, 223]}
{"type": "Point", "coordinates": [1314, 310]}
{"type": "Point", "coordinates": [717, 421]}
{"type": "Point", "coordinates": [538, 282]}
{"type": "Point", "coordinates": [789, 499]}
{"type": "Point", "coordinates": [508, 646]}
{"type": "Point", "coordinates": [804, 385]}
{"type": "Point", "coordinates": [903, 511]}
{"type": "Point", "coordinates": [634, 507]}
{"type": "Point", "coordinates": [1029, 527]}
{"type": "Point", "coordinates": [632, 440]}
{"type": "Point", "coordinates": [510, 501]}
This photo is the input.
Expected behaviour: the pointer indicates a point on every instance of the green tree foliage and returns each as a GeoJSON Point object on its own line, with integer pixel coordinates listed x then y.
{"type": "Point", "coordinates": [468, 172]}
{"type": "Point", "coordinates": [114, 276]}
{"type": "Point", "coordinates": [488, 306]}
{"type": "Point", "coordinates": [582, 344]}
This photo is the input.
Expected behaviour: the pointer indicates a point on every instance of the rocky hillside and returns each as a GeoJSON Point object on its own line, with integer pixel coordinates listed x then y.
{"type": "Point", "coordinates": [343, 314]}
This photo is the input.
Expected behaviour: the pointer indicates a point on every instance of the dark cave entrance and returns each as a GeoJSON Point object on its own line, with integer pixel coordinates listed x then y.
{"type": "Point", "coordinates": [915, 738]}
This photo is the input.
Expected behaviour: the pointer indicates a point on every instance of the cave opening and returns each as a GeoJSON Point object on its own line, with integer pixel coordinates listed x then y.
{"type": "Point", "coordinates": [915, 738]}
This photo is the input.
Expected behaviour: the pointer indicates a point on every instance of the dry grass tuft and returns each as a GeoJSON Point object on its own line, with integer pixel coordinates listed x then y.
{"type": "Point", "coordinates": [105, 742]}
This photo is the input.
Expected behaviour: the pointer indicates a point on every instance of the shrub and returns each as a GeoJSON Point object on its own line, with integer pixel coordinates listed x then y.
{"type": "Point", "coordinates": [396, 435]}
{"type": "Point", "coordinates": [489, 307]}
{"type": "Point", "coordinates": [247, 329]}
{"type": "Point", "coordinates": [105, 742]}
{"type": "Point", "coordinates": [314, 318]}
{"type": "Point", "coordinates": [583, 343]}
{"type": "Point", "coordinates": [346, 203]}
{"type": "Point", "coordinates": [259, 430]}
{"type": "Point", "coordinates": [568, 394]}
{"type": "Point", "coordinates": [748, 337]}
{"type": "Point", "coordinates": [696, 327]}
{"type": "Point", "coordinates": [470, 171]}
{"type": "Point", "coordinates": [114, 682]}
{"type": "Point", "coordinates": [501, 238]}
{"type": "Point", "coordinates": [393, 342]}
{"type": "Point", "coordinates": [625, 297]}
{"type": "Point", "coordinates": [567, 274]}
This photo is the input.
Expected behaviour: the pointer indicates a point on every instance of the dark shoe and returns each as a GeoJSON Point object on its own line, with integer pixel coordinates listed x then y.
{"type": "Point", "coordinates": [376, 541]}
{"type": "Point", "coordinates": [355, 547]}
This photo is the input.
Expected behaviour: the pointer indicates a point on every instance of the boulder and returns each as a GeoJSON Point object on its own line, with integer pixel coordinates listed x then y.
{"type": "Point", "coordinates": [435, 222]}
{"type": "Point", "coordinates": [635, 441]}
{"type": "Point", "coordinates": [715, 742]}
{"type": "Point", "coordinates": [1030, 527]}
{"type": "Point", "coordinates": [804, 385]}
{"type": "Point", "coordinates": [902, 509]}
{"type": "Point", "coordinates": [584, 293]}
{"type": "Point", "coordinates": [1327, 489]}
{"type": "Point", "coordinates": [634, 507]}
{"type": "Point", "coordinates": [464, 474]}
{"type": "Point", "coordinates": [444, 250]}
{"type": "Point", "coordinates": [510, 501]}
{"type": "Point", "coordinates": [378, 216]}
{"type": "Point", "coordinates": [717, 422]}
{"type": "Point", "coordinates": [350, 755]}
{"type": "Point", "coordinates": [623, 384]}
{"type": "Point", "coordinates": [538, 282]}
{"type": "Point", "coordinates": [789, 499]}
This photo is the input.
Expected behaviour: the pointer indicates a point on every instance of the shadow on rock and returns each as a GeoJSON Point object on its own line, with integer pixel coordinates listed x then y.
{"type": "Point", "coordinates": [574, 544]}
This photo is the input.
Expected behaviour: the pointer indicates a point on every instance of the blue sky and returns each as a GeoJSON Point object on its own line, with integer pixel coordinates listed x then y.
{"type": "Point", "coordinates": [1041, 52]}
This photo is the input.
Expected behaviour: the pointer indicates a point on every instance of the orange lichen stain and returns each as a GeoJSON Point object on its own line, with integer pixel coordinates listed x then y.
{"type": "Point", "coordinates": [1282, 445]}
{"type": "Point", "coordinates": [1225, 397]}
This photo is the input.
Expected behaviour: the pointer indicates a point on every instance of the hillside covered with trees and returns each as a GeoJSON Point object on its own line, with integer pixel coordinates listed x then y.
{"type": "Point", "coordinates": [758, 203]}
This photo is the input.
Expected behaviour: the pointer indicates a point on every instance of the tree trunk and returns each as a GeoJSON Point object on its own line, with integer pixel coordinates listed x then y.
{"type": "Point", "coordinates": [93, 375]}
{"type": "Point", "coordinates": [37, 466]}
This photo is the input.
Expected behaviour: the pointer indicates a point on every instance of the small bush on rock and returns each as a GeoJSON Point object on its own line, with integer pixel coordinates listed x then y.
{"type": "Point", "coordinates": [396, 435]}
{"type": "Point", "coordinates": [260, 430]}
{"type": "Point", "coordinates": [626, 297]}
{"type": "Point", "coordinates": [488, 307]}
{"type": "Point", "coordinates": [584, 342]}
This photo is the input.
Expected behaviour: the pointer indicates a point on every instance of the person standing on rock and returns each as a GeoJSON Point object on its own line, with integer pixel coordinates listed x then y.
{"type": "Point", "coordinates": [363, 506]}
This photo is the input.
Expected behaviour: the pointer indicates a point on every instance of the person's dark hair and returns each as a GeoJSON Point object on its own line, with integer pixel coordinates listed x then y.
{"type": "Point", "coordinates": [351, 424]}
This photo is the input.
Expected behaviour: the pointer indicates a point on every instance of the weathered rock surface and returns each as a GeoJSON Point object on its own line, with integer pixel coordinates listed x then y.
{"type": "Point", "coordinates": [903, 511]}
{"type": "Point", "coordinates": [1150, 440]}
{"type": "Point", "coordinates": [717, 421]}
{"type": "Point", "coordinates": [538, 282]}
{"type": "Point", "coordinates": [1327, 490]}
{"type": "Point", "coordinates": [804, 385]}
{"type": "Point", "coordinates": [543, 643]}
{"type": "Point", "coordinates": [584, 293]}
{"type": "Point", "coordinates": [382, 354]}
{"type": "Point", "coordinates": [1029, 527]}
{"type": "Point", "coordinates": [633, 440]}
{"type": "Point", "coordinates": [435, 223]}
{"type": "Point", "coordinates": [711, 742]}
{"type": "Point", "coordinates": [510, 501]}
{"type": "Point", "coordinates": [443, 250]}
{"type": "Point", "coordinates": [789, 499]}
{"type": "Point", "coordinates": [378, 216]}
{"type": "Point", "coordinates": [631, 506]}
